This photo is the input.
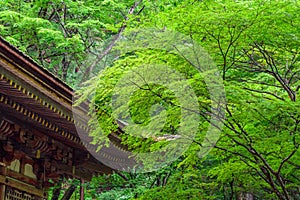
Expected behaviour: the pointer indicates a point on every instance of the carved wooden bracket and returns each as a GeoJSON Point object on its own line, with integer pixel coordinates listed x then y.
{"type": "Point", "coordinates": [6, 129]}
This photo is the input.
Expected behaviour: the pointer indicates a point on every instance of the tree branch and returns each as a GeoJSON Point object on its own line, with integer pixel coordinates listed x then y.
{"type": "Point", "coordinates": [110, 46]}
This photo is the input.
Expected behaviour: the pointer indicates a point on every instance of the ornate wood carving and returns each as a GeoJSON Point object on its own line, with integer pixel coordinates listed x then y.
{"type": "Point", "coordinates": [50, 159]}
{"type": "Point", "coordinates": [5, 129]}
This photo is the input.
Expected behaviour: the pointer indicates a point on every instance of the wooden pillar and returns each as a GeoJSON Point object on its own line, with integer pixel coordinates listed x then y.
{"type": "Point", "coordinates": [81, 189]}
{"type": "Point", "coordinates": [2, 191]}
{"type": "Point", "coordinates": [2, 186]}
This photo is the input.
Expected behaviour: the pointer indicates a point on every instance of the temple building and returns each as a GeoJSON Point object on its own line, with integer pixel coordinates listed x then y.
{"type": "Point", "coordinates": [39, 144]}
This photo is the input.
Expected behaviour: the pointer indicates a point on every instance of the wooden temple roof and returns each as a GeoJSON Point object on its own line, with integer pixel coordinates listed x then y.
{"type": "Point", "coordinates": [32, 94]}
{"type": "Point", "coordinates": [37, 123]}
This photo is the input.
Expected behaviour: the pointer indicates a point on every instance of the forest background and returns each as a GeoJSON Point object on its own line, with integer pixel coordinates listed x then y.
{"type": "Point", "coordinates": [255, 46]}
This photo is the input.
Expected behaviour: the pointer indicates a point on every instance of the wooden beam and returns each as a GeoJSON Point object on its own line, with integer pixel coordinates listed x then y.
{"type": "Point", "coordinates": [99, 168]}
{"type": "Point", "coordinates": [21, 186]}
{"type": "Point", "coordinates": [76, 173]}
{"type": "Point", "coordinates": [21, 177]}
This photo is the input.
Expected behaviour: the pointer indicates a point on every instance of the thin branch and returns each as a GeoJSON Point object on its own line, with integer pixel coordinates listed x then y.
{"type": "Point", "coordinates": [286, 159]}
{"type": "Point", "coordinates": [264, 92]}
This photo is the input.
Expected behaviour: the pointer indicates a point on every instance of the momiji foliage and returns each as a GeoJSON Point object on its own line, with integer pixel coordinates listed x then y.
{"type": "Point", "coordinates": [255, 45]}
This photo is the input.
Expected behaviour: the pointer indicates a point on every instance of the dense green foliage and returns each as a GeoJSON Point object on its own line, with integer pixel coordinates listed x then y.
{"type": "Point", "coordinates": [60, 35]}
{"type": "Point", "coordinates": [255, 45]}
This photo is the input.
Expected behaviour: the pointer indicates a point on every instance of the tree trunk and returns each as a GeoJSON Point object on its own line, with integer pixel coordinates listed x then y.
{"type": "Point", "coordinates": [245, 196]}
{"type": "Point", "coordinates": [56, 193]}
{"type": "Point", "coordinates": [69, 192]}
